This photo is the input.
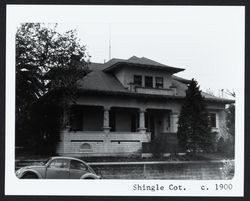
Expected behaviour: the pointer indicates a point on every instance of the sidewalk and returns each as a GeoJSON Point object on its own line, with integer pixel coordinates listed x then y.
{"type": "Point", "coordinates": [171, 158]}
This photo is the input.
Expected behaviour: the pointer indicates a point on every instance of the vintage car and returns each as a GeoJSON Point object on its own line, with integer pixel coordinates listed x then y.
{"type": "Point", "coordinates": [58, 168]}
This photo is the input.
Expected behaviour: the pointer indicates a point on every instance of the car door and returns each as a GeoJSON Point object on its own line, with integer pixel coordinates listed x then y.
{"type": "Point", "coordinates": [58, 169]}
{"type": "Point", "coordinates": [77, 169]}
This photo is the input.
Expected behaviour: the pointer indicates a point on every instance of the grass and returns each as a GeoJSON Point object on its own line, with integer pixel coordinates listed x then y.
{"type": "Point", "coordinates": [173, 157]}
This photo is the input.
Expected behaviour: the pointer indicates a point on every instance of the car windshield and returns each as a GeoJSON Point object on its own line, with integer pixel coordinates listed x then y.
{"type": "Point", "coordinates": [45, 162]}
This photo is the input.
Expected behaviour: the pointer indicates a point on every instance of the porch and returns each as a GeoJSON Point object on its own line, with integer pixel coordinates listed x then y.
{"type": "Point", "coordinates": [114, 131]}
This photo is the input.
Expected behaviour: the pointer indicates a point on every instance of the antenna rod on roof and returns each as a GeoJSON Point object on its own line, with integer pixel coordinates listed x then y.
{"type": "Point", "coordinates": [109, 41]}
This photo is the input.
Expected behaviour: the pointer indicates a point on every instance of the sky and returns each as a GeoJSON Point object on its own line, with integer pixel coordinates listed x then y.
{"type": "Point", "coordinates": [207, 41]}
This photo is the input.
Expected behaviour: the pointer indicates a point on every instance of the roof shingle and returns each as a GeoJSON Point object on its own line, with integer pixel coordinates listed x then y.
{"type": "Point", "coordinates": [101, 81]}
{"type": "Point", "coordinates": [105, 82]}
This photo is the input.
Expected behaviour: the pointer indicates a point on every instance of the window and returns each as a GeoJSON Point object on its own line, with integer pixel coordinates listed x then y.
{"type": "Point", "coordinates": [159, 82]}
{"type": "Point", "coordinates": [59, 163]}
{"type": "Point", "coordinates": [148, 81]}
{"type": "Point", "coordinates": [77, 165]}
{"type": "Point", "coordinates": [138, 80]}
{"type": "Point", "coordinates": [212, 120]}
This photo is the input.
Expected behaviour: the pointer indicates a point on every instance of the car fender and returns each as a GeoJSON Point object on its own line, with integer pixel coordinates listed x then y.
{"type": "Point", "coordinates": [90, 175]}
{"type": "Point", "coordinates": [32, 171]}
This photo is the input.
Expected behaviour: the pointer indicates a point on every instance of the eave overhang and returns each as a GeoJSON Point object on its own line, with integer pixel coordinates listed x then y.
{"type": "Point", "coordinates": [152, 96]}
{"type": "Point", "coordinates": [122, 64]}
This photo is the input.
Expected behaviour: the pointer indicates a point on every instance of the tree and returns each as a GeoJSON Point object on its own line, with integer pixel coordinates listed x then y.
{"type": "Point", "coordinates": [230, 120]}
{"type": "Point", "coordinates": [48, 65]}
{"type": "Point", "coordinates": [40, 48]}
{"type": "Point", "coordinates": [194, 131]}
{"type": "Point", "coordinates": [228, 145]}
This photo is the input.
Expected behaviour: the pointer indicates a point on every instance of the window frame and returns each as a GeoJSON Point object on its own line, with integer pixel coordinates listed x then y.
{"type": "Point", "coordinates": [58, 160]}
{"type": "Point", "coordinates": [213, 120]}
{"type": "Point", "coordinates": [77, 168]}
{"type": "Point", "coordinates": [134, 81]}
{"type": "Point", "coordinates": [152, 81]}
{"type": "Point", "coordinates": [156, 83]}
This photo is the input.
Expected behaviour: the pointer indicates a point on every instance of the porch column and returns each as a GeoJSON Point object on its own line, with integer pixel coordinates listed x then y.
{"type": "Point", "coordinates": [142, 128]}
{"type": "Point", "coordinates": [106, 127]}
{"type": "Point", "coordinates": [174, 117]}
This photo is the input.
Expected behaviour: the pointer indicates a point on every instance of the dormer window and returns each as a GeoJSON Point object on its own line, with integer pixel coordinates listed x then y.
{"type": "Point", "coordinates": [138, 80]}
{"type": "Point", "coordinates": [148, 82]}
{"type": "Point", "coordinates": [159, 82]}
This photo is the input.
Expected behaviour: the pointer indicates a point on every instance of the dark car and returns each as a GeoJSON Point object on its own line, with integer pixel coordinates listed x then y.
{"type": "Point", "coordinates": [58, 168]}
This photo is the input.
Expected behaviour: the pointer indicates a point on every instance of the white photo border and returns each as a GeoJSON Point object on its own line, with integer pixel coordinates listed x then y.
{"type": "Point", "coordinates": [17, 14]}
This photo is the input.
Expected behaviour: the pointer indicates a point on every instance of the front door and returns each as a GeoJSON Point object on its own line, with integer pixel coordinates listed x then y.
{"type": "Point", "coordinates": [154, 124]}
{"type": "Point", "coordinates": [150, 124]}
{"type": "Point", "coordinates": [159, 126]}
{"type": "Point", "coordinates": [152, 127]}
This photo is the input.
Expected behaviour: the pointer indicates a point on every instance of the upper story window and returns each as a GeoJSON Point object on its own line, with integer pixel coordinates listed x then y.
{"type": "Point", "coordinates": [137, 80]}
{"type": "Point", "coordinates": [212, 120]}
{"type": "Point", "coordinates": [148, 81]}
{"type": "Point", "coordinates": [159, 82]}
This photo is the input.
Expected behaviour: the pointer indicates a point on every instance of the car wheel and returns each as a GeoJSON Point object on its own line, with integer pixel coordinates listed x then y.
{"type": "Point", "coordinates": [89, 178]}
{"type": "Point", "coordinates": [29, 176]}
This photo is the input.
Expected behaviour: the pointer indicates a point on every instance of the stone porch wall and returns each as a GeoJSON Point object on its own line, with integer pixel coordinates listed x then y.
{"type": "Point", "coordinates": [99, 143]}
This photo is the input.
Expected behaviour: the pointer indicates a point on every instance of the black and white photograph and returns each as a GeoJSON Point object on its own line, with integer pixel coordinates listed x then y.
{"type": "Point", "coordinates": [148, 100]}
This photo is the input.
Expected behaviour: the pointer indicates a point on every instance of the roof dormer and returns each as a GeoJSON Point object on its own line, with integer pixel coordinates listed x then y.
{"type": "Point", "coordinates": [143, 75]}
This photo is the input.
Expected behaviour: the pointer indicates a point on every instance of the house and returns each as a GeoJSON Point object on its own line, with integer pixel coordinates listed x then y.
{"type": "Point", "coordinates": [124, 105]}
